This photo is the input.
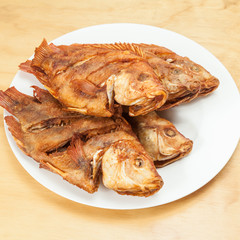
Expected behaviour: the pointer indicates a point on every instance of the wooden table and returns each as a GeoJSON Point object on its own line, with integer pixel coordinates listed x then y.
{"type": "Point", "coordinates": [30, 211]}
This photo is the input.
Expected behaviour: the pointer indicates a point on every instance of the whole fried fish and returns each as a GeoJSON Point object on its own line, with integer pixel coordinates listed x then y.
{"type": "Point", "coordinates": [160, 138]}
{"type": "Point", "coordinates": [197, 75]}
{"type": "Point", "coordinates": [183, 79]}
{"type": "Point", "coordinates": [76, 146]}
{"type": "Point", "coordinates": [87, 78]}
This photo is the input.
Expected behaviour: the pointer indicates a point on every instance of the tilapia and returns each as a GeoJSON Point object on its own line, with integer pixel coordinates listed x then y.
{"type": "Point", "coordinates": [160, 138]}
{"type": "Point", "coordinates": [77, 147]}
{"type": "Point", "coordinates": [88, 79]}
{"type": "Point", "coordinates": [191, 80]}
{"type": "Point", "coordinates": [183, 79]}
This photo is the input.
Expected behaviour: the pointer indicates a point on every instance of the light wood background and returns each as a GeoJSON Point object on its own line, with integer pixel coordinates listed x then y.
{"type": "Point", "coordinates": [30, 211]}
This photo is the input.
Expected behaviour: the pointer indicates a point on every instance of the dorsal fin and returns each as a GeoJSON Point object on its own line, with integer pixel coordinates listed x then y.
{"type": "Point", "coordinates": [41, 53]}
{"type": "Point", "coordinates": [122, 46]}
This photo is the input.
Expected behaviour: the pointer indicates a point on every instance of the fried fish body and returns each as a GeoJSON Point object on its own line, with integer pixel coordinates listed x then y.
{"type": "Point", "coordinates": [208, 82]}
{"type": "Point", "coordinates": [87, 78]}
{"type": "Point", "coordinates": [77, 146]}
{"type": "Point", "coordinates": [160, 138]}
{"type": "Point", "coordinates": [62, 161]}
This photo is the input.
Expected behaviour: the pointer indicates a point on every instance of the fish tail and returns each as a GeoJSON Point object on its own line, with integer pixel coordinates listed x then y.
{"type": "Point", "coordinates": [12, 97]}
{"type": "Point", "coordinates": [15, 129]}
{"type": "Point", "coordinates": [6, 102]}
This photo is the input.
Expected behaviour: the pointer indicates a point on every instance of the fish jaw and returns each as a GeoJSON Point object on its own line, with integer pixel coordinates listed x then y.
{"type": "Point", "coordinates": [129, 170]}
{"type": "Point", "coordinates": [209, 86]}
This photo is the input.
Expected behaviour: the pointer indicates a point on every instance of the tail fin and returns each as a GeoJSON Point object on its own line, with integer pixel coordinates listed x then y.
{"type": "Point", "coordinates": [12, 97]}
{"type": "Point", "coordinates": [15, 128]}
{"type": "Point", "coordinates": [6, 102]}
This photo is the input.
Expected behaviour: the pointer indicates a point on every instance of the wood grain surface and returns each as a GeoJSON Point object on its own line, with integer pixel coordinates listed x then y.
{"type": "Point", "coordinates": [30, 211]}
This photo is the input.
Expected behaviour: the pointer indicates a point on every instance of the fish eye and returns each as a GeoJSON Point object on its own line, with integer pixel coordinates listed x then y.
{"type": "Point", "coordinates": [195, 68]}
{"type": "Point", "coordinates": [138, 162]}
{"type": "Point", "coordinates": [142, 77]}
{"type": "Point", "coordinates": [176, 71]}
{"type": "Point", "coordinates": [169, 132]}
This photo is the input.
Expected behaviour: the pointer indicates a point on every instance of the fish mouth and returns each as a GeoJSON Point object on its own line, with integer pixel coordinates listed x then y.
{"type": "Point", "coordinates": [211, 85]}
{"type": "Point", "coordinates": [181, 99]}
{"type": "Point", "coordinates": [149, 188]}
{"type": "Point", "coordinates": [149, 106]}
{"type": "Point", "coordinates": [165, 160]}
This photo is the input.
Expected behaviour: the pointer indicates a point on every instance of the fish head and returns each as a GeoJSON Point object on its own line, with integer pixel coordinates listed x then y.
{"type": "Point", "coordinates": [179, 83]}
{"type": "Point", "coordinates": [208, 83]}
{"type": "Point", "coordinates": [139, 88]}
{"type": "Point", "coordinates": [164, 142]}
{"type": "Point", "coordinates": [128, 169]}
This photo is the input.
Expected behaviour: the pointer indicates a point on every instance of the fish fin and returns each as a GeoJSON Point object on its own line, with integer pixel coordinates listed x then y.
{"type": "Point", "coordinates": [26, 67]}
{"type": "Point", "coordinates": [123, 46]}
{"type": "Point", "coordinates": [110, 92]}
{"type": "Point", "coordinates": [15, 129]}
{"type": "Point", "coordinates": [85, 86]}
{"type": "Point", "coordinates": [6, 102]}
{"type": "Point", "coordinates": [50, 167]}
{"type": "Point", "coordinates": [17, 96]}
{"type": "Point", "coordinates": [97, 163]}
{"type": "Point", "coordinates": [12, 97]}
{"type": "Point", "coordinates": [41, 53]}
{"type": "Point", "coordinates": [75, 150]}
{"type": "Point", "coordinates": [42, 95]}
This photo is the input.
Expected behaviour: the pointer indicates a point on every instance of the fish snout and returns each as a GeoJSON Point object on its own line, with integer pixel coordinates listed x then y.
{"type": "Point", "coordinates": [209, 86]}
{"type": "Point", "coordinates": [186, 147]}
{"type": "Point", "coordinates": [194, 86]}
{"type": "Point", "coordinates": [154, 184]}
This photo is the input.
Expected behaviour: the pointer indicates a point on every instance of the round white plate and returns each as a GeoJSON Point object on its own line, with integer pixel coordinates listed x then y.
{"type": "Point", "coordinates": [212, 122]}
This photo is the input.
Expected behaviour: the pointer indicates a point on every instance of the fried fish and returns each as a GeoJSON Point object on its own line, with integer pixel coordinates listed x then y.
{"type": "Point", "coordinates": [160, 138]}
{"type": "Point", "coordinates": [87, 78]}
{"type": "Point", "coordinates": [183, 79]}
{"type": "Point", "coordinates": [77, 147]}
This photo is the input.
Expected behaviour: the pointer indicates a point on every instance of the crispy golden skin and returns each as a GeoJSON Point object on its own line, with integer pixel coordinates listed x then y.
{"type": "Point", "coordinates": [183, 78]}
{"type": "Point", "coordinates": [77, 147]}
{"type": "Point", "coordinates": [160, 138]}
{"type": "Point", "coordinates": [87, 78]}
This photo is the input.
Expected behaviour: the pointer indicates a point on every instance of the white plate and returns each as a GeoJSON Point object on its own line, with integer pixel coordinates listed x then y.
{"type": "Point", "coordinates": [212, 122]}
